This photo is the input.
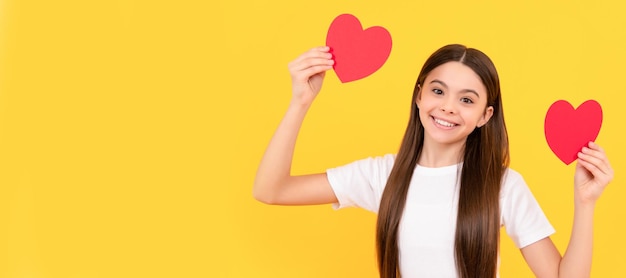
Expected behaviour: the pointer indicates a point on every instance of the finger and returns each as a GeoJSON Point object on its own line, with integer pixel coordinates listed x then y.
{"type": "Point", "coordinates": [316, 52]}
{"type": "Point", "coordinates": [588, 157]}
{"type": "Point", "coordinates": [596, 152]}
{"type": "Point", "coordinates": [315, 70]}
{"type": "Point", "coordinates": [599, 152]}
{"type": "Point", "coordinates": [595, 172]}
{"type": "Point", "coordinates": [595, 146]}
{"type": "Point", "coordinates": [598, 175]}
{"type": "Point", "coordinates": [595, 162]}
{"type": "Point", "coordinates": [305, 72]}
{"type": "Point", "coordinates": [323, 48]}
{"type": "Point", "coordinates": [313, 61]}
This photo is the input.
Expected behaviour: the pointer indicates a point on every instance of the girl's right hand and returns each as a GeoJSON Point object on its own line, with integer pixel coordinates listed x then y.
{"type": "Point", "coordinates": [307, 73]}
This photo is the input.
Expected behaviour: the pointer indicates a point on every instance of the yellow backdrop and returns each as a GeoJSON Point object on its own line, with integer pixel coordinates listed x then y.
{"type": "Point", "coordinates": [130, 131]}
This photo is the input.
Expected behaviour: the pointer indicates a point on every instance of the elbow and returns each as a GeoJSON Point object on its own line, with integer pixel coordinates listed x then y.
{"type": "Point", "coordinates": [263, 196]}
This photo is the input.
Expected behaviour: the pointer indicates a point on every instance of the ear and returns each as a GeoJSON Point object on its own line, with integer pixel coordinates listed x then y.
{"type": "Point", "coordinates": [418, 98]}
{"type": "Point", "coordinates": [485, 118]}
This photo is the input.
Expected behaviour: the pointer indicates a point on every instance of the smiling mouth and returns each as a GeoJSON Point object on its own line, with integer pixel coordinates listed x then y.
{"type": "Point", "coordinates": [443, 123]}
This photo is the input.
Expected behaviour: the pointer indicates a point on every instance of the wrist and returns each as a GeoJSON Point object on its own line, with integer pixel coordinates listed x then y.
{"type": "Point", "coordinates": [298, 109]}
{"type": "Point", "coordinates": [299, 104]}
{"type": "Point", "coordinates": [583, 203]}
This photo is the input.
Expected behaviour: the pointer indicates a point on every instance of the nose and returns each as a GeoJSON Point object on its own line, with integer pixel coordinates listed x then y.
{"type": "Point", "coordinates": [447, 105]}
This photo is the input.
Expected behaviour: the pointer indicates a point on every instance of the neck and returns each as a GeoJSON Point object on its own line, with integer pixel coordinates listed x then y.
{"type": "Point", "coordinates": [439, 155]}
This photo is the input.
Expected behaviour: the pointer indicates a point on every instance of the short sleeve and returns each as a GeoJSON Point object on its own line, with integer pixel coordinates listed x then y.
{"type": "Point", "coordinates": [361, 183]}
{"type": "Point", "coordinates": [522, 216]}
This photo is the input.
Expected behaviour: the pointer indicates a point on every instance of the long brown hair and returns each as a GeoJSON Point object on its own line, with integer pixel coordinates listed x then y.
{"type": "Point", "coordinates": [486, 157]}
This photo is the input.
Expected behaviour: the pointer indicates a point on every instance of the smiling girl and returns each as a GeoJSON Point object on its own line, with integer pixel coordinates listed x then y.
{"type": "Point", "coordinates": [442, 199]}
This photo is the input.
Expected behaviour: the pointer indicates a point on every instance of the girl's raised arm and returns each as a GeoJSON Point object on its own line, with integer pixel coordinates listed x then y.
{"type": "Point", "coordinates": [274, 183]}
{"type": "Point", "coordinates": [593, 174]}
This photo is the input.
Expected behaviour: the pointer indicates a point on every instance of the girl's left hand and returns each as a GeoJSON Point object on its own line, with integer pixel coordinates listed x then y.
{"type": "Point", "coordinates": [593, 173]}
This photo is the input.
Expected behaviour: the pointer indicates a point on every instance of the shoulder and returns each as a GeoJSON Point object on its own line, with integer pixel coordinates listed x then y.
{"type": "Point", "coordinates": [375, 169]}
{"type": "Point", "coordinates": [381, 163]}
{"type": "Point", "coordinates": [387, 159]}
{"type": "Point", "coordinates": [512, 183]}
{"type": "Point", "coordinates": [515, 190]}
{"type": "Point", "coordinates": [511, 175]}
{"type": "Point", "coordinates": [362, 182]}
{"type": "Point", "coordinates": [520, 212]}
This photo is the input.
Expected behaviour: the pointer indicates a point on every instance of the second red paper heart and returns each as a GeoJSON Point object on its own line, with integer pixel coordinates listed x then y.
{"type": "Point", "coordinates": [568, 130]}
{"type": "Point", "coordinates": [357, 53]}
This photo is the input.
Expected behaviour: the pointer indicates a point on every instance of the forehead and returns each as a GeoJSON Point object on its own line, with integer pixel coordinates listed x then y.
{"type": "Point", "coordinates": [456, 76]}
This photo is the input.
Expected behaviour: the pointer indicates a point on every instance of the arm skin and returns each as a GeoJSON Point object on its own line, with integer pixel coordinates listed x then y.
{"type": "Point", "coordinates": [274, 183]}
{"type": "Point", "coordinates": [593, 174]}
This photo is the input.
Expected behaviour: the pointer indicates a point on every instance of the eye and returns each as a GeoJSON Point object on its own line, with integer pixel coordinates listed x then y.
{"type": "Point", "coordinates": [437, 91]}
{"type": "Point", "coordinates": [467, 100]}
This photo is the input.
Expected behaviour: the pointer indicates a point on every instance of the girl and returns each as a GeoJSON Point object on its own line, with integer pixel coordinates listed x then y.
{"type": "Point", "coordinates": [442, 199]}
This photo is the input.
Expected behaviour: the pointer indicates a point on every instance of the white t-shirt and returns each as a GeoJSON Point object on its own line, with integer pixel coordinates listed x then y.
{"type": "Point", "coordinates": [428, 225]}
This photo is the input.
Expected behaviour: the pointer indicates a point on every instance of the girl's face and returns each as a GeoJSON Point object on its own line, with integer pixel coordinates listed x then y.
{"type": "Point", "coordinates": [452, 102]}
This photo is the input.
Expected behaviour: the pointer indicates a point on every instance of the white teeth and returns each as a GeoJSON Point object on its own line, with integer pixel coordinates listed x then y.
{"type": "Point", "coordinates": [444, 123]}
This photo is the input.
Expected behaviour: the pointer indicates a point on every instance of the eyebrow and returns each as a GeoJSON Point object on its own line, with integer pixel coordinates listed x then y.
{"type": "Point", "coordinates": [446, 86]}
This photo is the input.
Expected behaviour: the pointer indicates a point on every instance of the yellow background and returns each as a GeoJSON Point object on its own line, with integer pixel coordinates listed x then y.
{"type": "Point", "coordinates": [130, 131]}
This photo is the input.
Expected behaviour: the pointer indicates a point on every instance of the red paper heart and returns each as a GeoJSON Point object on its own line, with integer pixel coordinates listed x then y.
{"type": "Point", "coordinates": [357, 52]}
{"type": "Point", "coordinates": [568, 130]}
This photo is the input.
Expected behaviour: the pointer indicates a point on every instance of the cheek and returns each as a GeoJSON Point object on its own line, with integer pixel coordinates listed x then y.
{"type": "Point", "coordinates": [474, 117]}
{"type": "Point", "coordinates": [426, 104]}
{"type": "Point", "coordinates": [423, 115]}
